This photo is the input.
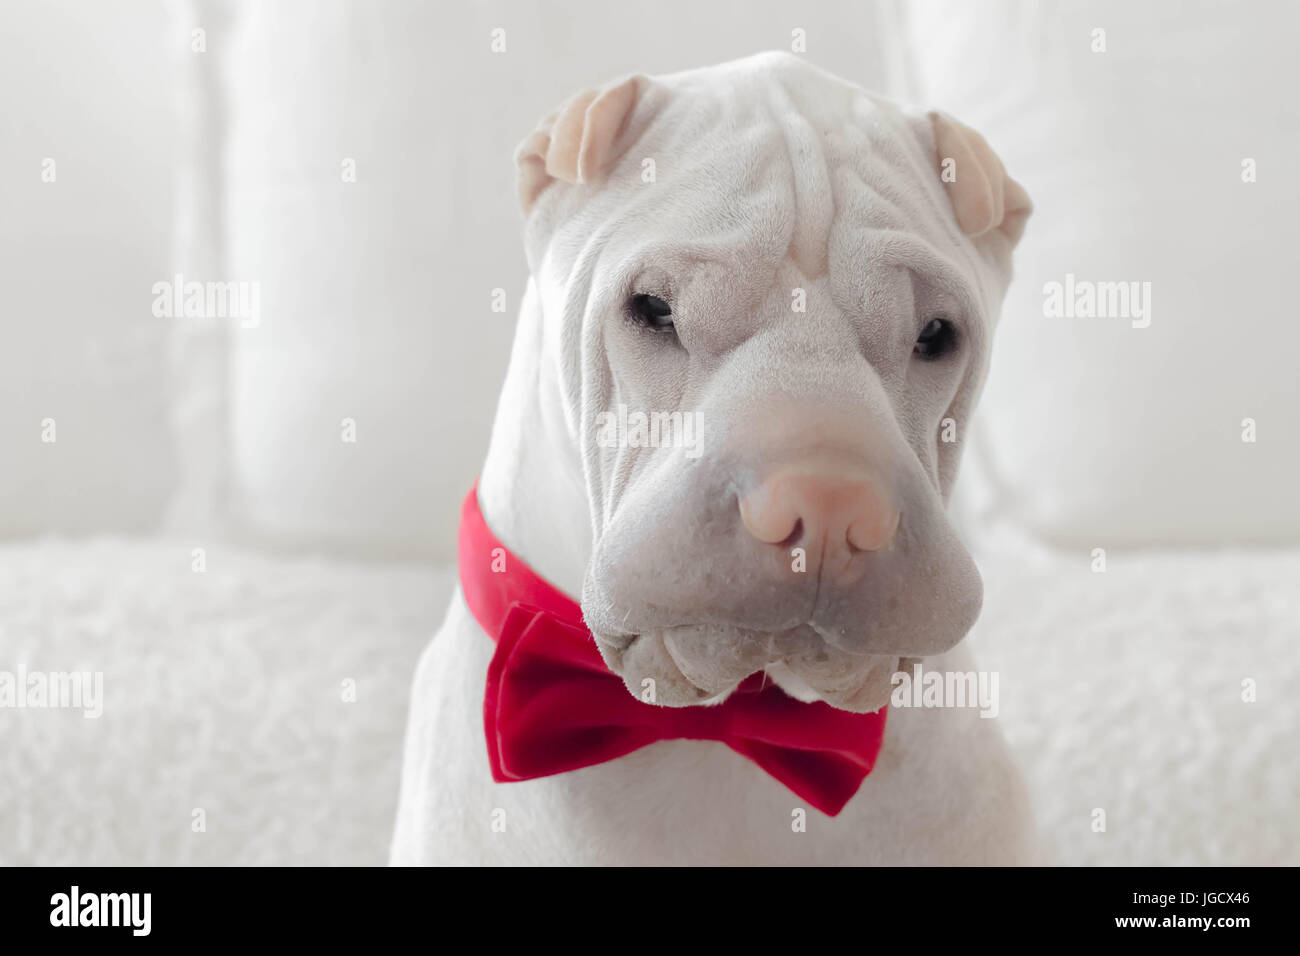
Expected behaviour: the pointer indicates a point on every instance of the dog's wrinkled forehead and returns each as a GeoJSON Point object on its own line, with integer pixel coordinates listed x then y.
{"type": "Point", "coordinates": [804, 145]}
{"type": "Point", "coordinates": [766, 158]}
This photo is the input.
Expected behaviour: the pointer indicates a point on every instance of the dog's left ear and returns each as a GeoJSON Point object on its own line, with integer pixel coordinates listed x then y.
{"type": "Point", "coordinates": [579, 141]}
{"type": "Point", "coordinates": [983, 196]}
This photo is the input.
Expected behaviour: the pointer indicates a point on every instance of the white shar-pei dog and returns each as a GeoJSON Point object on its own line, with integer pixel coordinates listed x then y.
{"type": "Point", "coordinates": [810, 276]}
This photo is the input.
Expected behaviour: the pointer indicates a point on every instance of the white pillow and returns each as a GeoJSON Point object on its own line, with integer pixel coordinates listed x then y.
{"type": "Point", "coordinates": [1091, 431]}
{"type": "Point", "coordinates": [376, 295]}
{"type": "Point", "coordinates": [355, 197]}
{"type": "Point", "coordinates": [85, 217]}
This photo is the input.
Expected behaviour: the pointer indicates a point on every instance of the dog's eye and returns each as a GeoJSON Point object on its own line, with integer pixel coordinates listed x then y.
{"type": "Point", "coordinates": [937, 339]}
{"type": "Point", "coordinates": [651, 311]}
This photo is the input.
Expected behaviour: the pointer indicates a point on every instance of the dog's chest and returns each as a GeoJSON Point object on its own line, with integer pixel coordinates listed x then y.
{"type": "Point", "coordinates": [690, 802]}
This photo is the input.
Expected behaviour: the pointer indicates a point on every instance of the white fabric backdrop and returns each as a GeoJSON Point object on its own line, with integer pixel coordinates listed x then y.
{"type": "Point", "coordinates": [227, 164]}
{"type": "Point", "coordinates": [87, 88]}
{"type": "Point", "coordinates": [1093, 432]}
{"type": "Point", "coordinates": [377, 294]}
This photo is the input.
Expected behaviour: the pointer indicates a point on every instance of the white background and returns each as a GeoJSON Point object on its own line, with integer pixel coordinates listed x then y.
{"type": "Point", "coordinates": [1121, 689]}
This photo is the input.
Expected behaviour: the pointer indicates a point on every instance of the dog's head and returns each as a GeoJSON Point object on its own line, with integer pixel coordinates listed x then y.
{"type": "Point", "coordinates": [772, 296]}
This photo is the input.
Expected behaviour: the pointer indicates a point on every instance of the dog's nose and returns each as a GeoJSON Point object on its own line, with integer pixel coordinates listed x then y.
{"type": "Point", "coordinates": [849, 512]}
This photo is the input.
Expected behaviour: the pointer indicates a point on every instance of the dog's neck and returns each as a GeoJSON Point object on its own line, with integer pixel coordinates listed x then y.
{"type": "Point", "coordinates": [532, 490]}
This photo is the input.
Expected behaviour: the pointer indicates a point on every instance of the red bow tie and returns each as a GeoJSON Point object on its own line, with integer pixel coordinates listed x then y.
{"type": "Point", "coordinates": [552, 706]}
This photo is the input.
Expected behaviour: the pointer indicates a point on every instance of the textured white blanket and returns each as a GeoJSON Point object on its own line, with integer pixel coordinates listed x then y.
{"type": "Point", "coordinates": [224, 692]}
{"type": "Point", "coordinates": [1123, 691]}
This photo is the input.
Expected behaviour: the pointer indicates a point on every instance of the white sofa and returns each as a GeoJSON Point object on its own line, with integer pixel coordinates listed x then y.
{"type": "Point", "coordinates": [328, 562]}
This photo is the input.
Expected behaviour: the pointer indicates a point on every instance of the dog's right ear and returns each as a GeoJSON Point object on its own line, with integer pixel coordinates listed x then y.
{"type": "Point", "coordinates": [580, 141]}
{"type": "Point", "coordinates": [983, 196]}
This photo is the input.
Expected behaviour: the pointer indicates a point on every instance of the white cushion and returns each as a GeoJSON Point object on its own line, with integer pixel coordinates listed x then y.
{"type": "Point", "coordinates": [1091, 431]}
{"type": "Point", "coordinates": [376, 295]}
{"type": "Point", "coordinates": [88, 88]}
